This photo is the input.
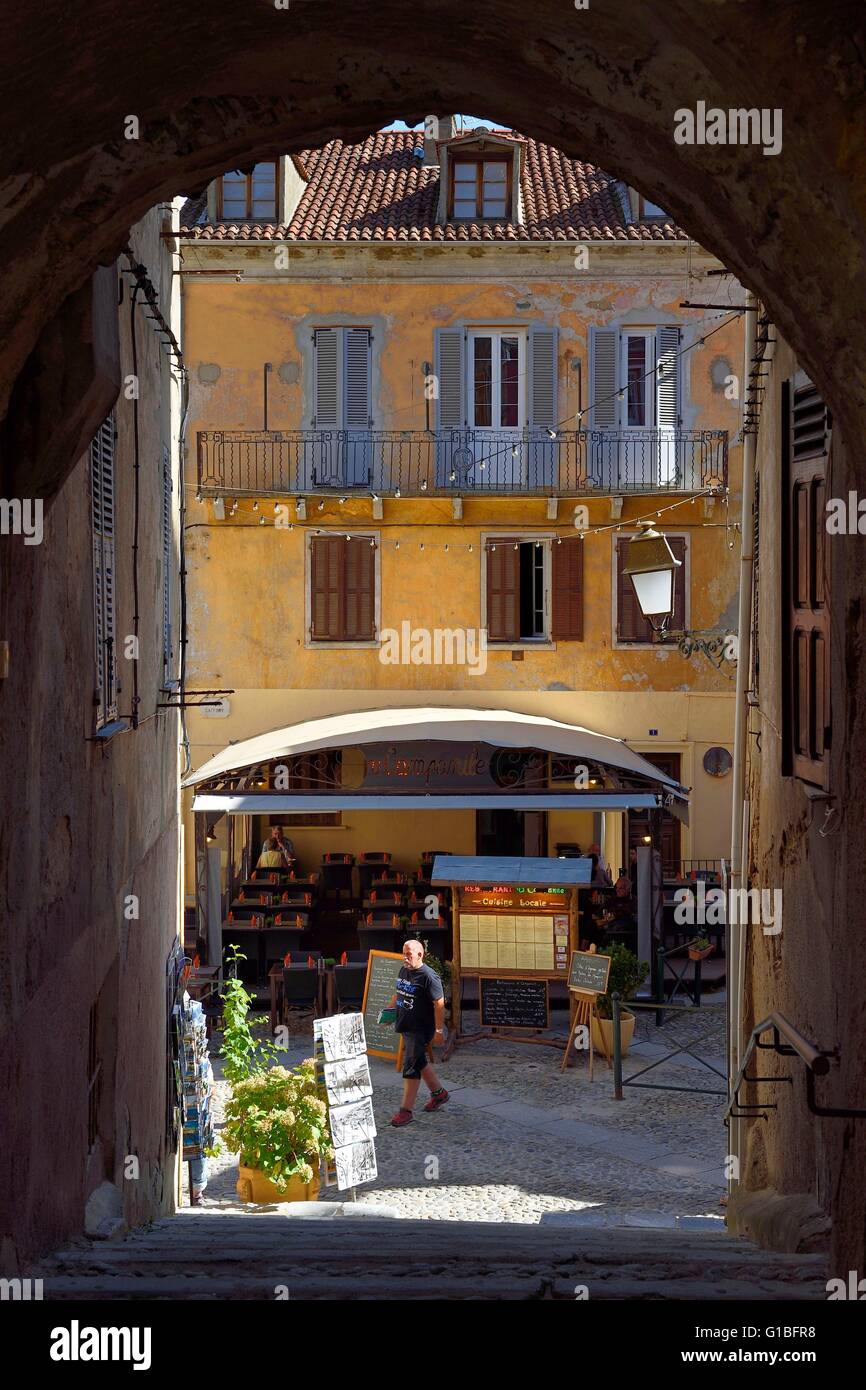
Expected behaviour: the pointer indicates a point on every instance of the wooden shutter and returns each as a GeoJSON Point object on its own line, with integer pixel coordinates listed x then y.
{"type": "Point", "coordinates": [360, 592]}
{"type": "Point", "coordinates": [543, 377]}
{"type": "Point", "coordinates": [631, 625]}
{"type": "Point", "coordinates": [805, 600]}
{"type": "Point", "coordinates": [342, 589]}
{"type": "Point", "coordinates": [567, 567]}
{"type": "Point", "coordinates": [327, 379]}
{"type": "Point", "coordinates": [668, 377]}
{"type": "Point", "coordinates": [167, 564]}
{"type": "Point", "coordinates": [503, 590]}
{"type": "Point", "coordinates": [604, 378]}
{"type": "Point", "coordinates": [326, 584]}
{"type": "Point", "coordinates": [102, 519]}
{"type": "Point", "coordinates": [450, 368]}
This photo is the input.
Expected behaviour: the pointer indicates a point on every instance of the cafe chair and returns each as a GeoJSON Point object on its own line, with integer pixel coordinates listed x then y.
{"type": "Point", "coordinates": [350, 980]}
{"type": "Point", "coordinates": [300, 988]}
{"type": "Point", "coordinates": [358, 958]}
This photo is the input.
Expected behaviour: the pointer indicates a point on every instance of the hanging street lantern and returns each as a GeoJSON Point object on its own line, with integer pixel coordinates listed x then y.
{"type": "Point", "coordinates": [651, 566]}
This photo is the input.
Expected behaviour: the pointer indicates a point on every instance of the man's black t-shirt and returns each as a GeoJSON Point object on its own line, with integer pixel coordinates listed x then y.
{"type": "Point", "coordinates": [416, 991]}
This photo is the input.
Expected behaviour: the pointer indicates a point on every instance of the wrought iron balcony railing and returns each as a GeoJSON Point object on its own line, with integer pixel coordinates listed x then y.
{"type": "Point", "coordinates": [412, 463]}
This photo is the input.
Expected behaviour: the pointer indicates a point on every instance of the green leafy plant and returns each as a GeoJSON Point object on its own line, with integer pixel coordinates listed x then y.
{"type": "Point", "coordinates": [442, 968]}
{"type": "Point", "coordinates": [627, 974]}
{"type": "Point", "coordinates": [277, 1121]}
{"type": "Point", "coordinates": [241, 1053]}
{"type": "Point", "coordinates": [700, 943]}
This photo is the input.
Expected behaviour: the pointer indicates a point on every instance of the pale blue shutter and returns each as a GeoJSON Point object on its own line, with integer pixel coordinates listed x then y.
{"type": "Point", "coordinates": [667, 385]}
{"type": "Point", "coordinates": [326, 407]}
{"type": "Point", "coordinates": [450, 413]}
{"type": "Point", "coordinates": [604, 414]}
{"type": "Point", "coordinates": [357, 408]}
{"type": "Point", "coordinates": [542, 374]}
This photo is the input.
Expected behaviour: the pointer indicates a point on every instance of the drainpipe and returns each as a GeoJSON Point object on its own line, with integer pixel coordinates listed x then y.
{"type": "Point", "coordinates": [736, 934]}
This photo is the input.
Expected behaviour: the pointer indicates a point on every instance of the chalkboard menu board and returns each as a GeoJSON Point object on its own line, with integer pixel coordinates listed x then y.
{"type": "Point", "coordinates": [511, 1003]}
{"type": "Point", "coordinates": [588, 972]}
{"type": "Point", "coordinates": [383, 967]}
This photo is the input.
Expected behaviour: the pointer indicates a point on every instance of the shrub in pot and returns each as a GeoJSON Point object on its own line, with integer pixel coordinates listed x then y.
{"type": "Point", "coordinates": [700, 948]}
{"type": "Point", "coordinates": [277, 1123]}
{"type": "Point", "coordinates": [627, 974]}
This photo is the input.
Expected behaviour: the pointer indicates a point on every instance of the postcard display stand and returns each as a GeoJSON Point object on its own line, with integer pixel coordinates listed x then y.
{"type": "Point", "coordinates": [514, 940]}
{"type": "Point", "coordinates": [340, 1051]}
{"type": "Point", "coordinates": [197, 1082]}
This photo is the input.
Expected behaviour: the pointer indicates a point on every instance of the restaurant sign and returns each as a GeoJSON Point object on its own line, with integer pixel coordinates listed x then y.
{"type": "Point", "coordinates": [426, 764]}
{"type": "Point", "coordinates": [513, 898]}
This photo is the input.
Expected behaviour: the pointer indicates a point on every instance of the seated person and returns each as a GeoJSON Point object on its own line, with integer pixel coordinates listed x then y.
{"type": "Point", "coordinates": [276, 852]}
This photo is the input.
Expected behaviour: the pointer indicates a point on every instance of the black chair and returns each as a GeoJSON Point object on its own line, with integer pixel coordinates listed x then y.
{"type": "Point", "coordinates": [300, 987]}
{"type": "Point", "coordinates": [377, 938]}
{"type": "Point", "coordinates": [337, 879]}
{"type": "Point", "coordinates": [357, 957]}
{"type": "Point", "coordinates": [350, 980]}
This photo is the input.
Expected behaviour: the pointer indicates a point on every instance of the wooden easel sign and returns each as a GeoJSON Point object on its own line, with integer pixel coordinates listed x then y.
{"type": "Point", "coordinates": [587, 978]}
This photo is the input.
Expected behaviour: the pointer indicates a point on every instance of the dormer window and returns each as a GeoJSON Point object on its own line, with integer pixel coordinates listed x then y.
{"type": "Point", "coordinates": [480, 189]}
{"type": "Point", "coordinates": [649, 211]}
{"type": "Point", "coordinates": [249, 197]}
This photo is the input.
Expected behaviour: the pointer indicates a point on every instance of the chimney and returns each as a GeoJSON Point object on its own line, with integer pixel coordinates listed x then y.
{"type": "Point", "coordinates": [436, 128]}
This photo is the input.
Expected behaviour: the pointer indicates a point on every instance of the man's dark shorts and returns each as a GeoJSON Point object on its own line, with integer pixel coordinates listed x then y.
{"type": "Point", "coordinates": [414, 1055]}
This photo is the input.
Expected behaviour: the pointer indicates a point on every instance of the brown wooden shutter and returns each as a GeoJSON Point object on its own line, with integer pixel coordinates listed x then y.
{"type": "Point", "coordinates": [631, 625]}
{"type": "Point", "coordinates": [503, 590]}
{"type": "Point", "coordinates": [567, 567]}
{"type": "Point", "coordinates": [326, 585]}
{"type": "Point", "coordinates": [360, 593]}
{"type": "Point", "coordinates": [678, 621]}
{"type": "Point", "coordinates": [805, 601]}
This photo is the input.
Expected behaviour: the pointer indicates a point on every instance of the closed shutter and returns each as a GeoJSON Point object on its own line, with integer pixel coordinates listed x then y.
{"type": "Point", "coordinates": [342, 589]}
{"type": "Point", "coordinates": [360, 593]}
{"type": "Point", "coordinates": [503, 590]}
{"type": "Point", "coordinates": [167, 565]}
{"type": "Point", "coordinates": [450, 364]}
{"type": "Point", "coordinates": [543, 408]}
{"type": "Point", "coordinates": [102, 519]}
{"type": "Point", "coordinates": [357, 406]}
{"type": "Point", "coordinates": [631, 625]}
{"type": "Point", "coordinates": [805, 601]}
{"type": "Point", "coordinates": [668, 377]}
{"type": "Point", "coordinates": [327, 391]}
{"type": "Point", "coordinates": [603, 378]}
{"type": "Point", "coordinates": [568, 591]}
{"type": "Point", "coordinates": [325, 587]}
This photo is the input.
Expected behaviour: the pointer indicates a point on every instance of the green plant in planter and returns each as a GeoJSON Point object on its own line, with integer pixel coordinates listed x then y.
{"type": "Point", "coordinates": [627, 974]}
{"type": "Point", "coordinates": [241, 1053]}
{"type": "Point", "coordinates": [442, 969]}
{"type": "Point", "coordinates": [700, 943]}
{"type": "Point", "coordinates": [277, 1121]}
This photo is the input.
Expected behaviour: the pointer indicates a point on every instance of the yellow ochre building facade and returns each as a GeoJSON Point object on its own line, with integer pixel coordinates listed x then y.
{"type": "Point", "coordinates": [434, 385]}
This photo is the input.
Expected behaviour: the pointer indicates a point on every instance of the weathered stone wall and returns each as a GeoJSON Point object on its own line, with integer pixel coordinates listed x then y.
{"type": "Point", "coordinates": [84, 824]}
{"type": "Point", "coordinates": [812, 971]}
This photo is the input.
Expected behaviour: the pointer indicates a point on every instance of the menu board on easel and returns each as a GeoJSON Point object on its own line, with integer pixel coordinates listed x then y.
{"type": "Point", "coordinates": [589, 972]}
{"type": "Point", "coordinates": [380, 987]}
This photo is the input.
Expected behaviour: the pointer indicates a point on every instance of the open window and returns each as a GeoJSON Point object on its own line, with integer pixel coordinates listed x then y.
{"type": "Point", "coordinates": [534, 590]}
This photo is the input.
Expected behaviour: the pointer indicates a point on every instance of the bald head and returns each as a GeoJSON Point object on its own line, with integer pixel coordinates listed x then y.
{"type": "Point", "coordinates": [413, 954]}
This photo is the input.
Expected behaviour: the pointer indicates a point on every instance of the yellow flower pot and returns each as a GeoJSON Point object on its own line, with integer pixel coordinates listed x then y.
{"type": "Point", "coordinates": [602, 1032]}
{"type": "Point", "coordinates": [253, 1186]}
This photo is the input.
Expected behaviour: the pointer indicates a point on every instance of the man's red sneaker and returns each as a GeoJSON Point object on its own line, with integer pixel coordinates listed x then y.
{"type": "Point", "coordinates": [403, 1117]}
{"type": "Point", "coordinates": [437, 1098]}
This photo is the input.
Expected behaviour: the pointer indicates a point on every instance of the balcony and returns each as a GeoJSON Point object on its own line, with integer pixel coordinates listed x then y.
{"type": "Point", "coordinates": [415, 463]}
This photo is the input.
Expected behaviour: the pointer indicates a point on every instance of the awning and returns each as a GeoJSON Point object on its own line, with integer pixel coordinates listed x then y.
{"type": "Point", "coordinates": [489, 868]}
{"type": "Point", "coordinates": [501, 727]}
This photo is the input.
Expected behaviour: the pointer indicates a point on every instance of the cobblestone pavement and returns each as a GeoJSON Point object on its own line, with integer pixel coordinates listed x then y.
{"type": "Point", "coordinates": [519, 1141]}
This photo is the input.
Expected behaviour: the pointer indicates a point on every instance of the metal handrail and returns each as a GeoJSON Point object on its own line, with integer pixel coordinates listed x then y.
{"type": "Point", "coordinates": [787, 1042]}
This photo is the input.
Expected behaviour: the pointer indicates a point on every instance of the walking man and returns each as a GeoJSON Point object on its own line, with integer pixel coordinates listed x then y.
{"type": "Point", "coordinates": [420, 1008]}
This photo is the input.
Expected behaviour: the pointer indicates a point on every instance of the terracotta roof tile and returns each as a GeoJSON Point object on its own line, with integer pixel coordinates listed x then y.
{"type": "Point", "coordinates": [379, 190]}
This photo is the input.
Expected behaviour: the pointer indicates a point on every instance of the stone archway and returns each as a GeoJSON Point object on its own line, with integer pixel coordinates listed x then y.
{"type": "Point", "coordinates": [602, 82]}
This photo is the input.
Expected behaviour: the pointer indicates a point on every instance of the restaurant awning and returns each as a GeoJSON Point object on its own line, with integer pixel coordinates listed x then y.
{"type": "Point", "coordinates": [489, 868]}
{"type": "Point", "coordinates": [431, 725]}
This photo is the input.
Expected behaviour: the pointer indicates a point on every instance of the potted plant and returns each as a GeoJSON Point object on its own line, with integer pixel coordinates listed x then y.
{"type": "Point", "coordinates": [277, 1124]}
{"type": "Point", "coordinates": [627, 974]}
{"type": "Point", "coordinates": [277, 1119]}
{"type": "Point", "coordinates": [700, 948]}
